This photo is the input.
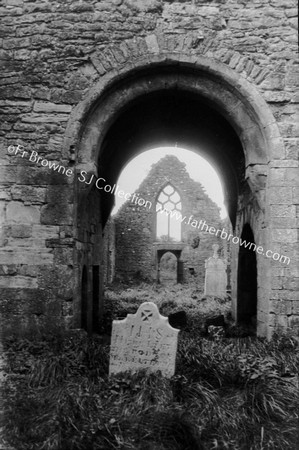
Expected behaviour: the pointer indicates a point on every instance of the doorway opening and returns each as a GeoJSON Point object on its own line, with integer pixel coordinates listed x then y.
{"type": "Point", "coordinates": [168, 268]}
{"type": "Point", "coordinates": [95, 298]}
{"type": "Point", "coordinates": [84, 299]}
{"type": "Point", "coordinates": [247, 281]}
{"type": "Point", "coordinates": [203, 109]}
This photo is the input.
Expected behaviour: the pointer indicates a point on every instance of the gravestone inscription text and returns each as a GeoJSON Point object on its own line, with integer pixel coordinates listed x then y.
{"type": "Point", "coordinates": [144, 340]}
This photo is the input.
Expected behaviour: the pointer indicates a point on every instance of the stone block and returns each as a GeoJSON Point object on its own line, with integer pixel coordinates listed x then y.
{"type": "Point", "coordinates": [284, 235]}
{"type": "Point", "coordinates": [292, 148]}
{"type": "Point", "coordinates": [28, 270]}
{"type": "Point", "coordinates": [61, 242]}
{"type": "Point", "coordinates": [54, 308]}
{"type": "Point", "coordinates": [284, 295]}
{"type": "Point", "coordinates": [277, 176]}
{"type": "Point", "coordinates": [23, 301]}
{"type": "Point", "coordinates": [63, 256]}
{"type": "Point", "coordinates": [14, 2]}
{"type": "Point", "coordinates": [278, 148]}
{"type": "Point", "coordinates": [283, 195]}
{"type": "Point", "coordinates": [21, 255]}
{"type": "Point", "coordinates": [276, 282]}
{"type": "Point", "coordinates": [56, 214]}
{"type": "Point", "coordinates": [60, 277]}
{"type": "Point", "coordinates": [44, 118]}
{"type": "Point", "coordinates": [279, 320]}
{"type": "Point", "coordinates": [281, 307]}
{"type": "Point", "coordinates": [7, 174]}
{"type": "Point", "coordinates": [21, 231]}
{"type": "Point", "coordinates": [45, 231]}
{"type": "Point", "coordinates": [273, 96]}
{"type": "Point", "coordinates": [152, 43]}
{"type": "Point", "coordinates": [284, 163]}
{"type": "Point", "coordinates": [59, 194]}
{"type": "Point", "coordinates": [18, 282]}
{"type": "Point", "coordinates": [292, 177]}
{"type": "Point", "coordinates": [10, 269]}
{"type": "Point", "coordinates": [285, 222]}
{"type": "Point", "coordinates": [283, 211]}
{"type": "Point", "coordinates": [51, 107]}
{"type": "Point", "coordinates": [28, 194]}
{"type": "Point", "coordinates": [291, 284]}
{"type": "Point", "coordinates": [33, 175]}
{"type": "Point", "coordinates": [261, 329]}
{"type": "Point", "coordinates": [294, 322]}
{"type": "Point", "coordinates": [4, 195]}
{"type": "Point", "coordinates": [17, 212]}
{"type": "Point", "coordinates": [292, 271]}
{"type": "Point", "coordinates": [2, 212]}
{"type": "Point", "coordinates": [295, 195]}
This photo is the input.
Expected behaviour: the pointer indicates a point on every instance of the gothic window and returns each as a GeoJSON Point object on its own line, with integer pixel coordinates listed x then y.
{"type": "Point", "coordinates": [168, 212]}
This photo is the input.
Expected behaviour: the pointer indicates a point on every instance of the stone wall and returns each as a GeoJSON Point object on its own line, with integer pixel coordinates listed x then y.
{"type": "Point", "coordinates": [59, 56]}
{"type": "Point", "coordinates": [109, 251]}
{"type": "Point", "coordinates": [135, 226]}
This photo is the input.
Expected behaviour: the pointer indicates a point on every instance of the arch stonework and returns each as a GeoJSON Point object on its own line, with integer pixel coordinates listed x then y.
{"type": "Point", "coordinates": [233, 94]}
{"type": "Point", "coordinates": [73, 118]}
{"type": "Point", "coordinates": [246, 94]}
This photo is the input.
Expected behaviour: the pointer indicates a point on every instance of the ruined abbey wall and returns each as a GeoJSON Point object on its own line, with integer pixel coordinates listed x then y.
{"type": "Point", "coordinates": [57, 58]}
{"type": "Point", "coordinates": [135, 226]}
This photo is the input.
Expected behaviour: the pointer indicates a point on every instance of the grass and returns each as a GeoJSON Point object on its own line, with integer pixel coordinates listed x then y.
{"type": "Point", "coordinates": [233, 393]}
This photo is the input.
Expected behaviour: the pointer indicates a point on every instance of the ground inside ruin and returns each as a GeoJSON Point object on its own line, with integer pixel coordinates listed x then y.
{"type": "Point", "coordinates": [234, 392]}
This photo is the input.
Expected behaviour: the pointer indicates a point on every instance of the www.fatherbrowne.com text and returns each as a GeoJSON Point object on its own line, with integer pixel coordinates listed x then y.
{"type": "Point", "coordinates": [201, 225]}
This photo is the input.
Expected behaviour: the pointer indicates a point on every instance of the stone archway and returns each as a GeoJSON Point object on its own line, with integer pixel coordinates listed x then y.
{"type": "Point", "coordinates": [201, 105]}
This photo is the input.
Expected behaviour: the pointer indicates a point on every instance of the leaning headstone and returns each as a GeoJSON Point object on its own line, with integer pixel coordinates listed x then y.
{"type": "Point", "coordinates": [144, 340]}
{"type": "Point", "coordinates": [216, 277]}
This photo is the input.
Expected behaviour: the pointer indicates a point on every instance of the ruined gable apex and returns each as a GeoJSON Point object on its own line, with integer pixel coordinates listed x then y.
{"type": "Point", "coordinates": [172, 170]}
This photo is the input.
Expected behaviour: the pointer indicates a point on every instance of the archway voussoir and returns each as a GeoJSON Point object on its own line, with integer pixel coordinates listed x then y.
{"type": "Point", "coordinates": [171, 43]}
{"type": "Point", "coordinates": [142, 46]}
{"type": "Point", "coordinates": [180, 43]}
{"type": "Point", "coordinates": [118, 55]}
{"type": "Point", "coordinates": [234, 60]}
{"type": "Point", "coordinates": [152, 44]}
{"type": "Point", "coordinates": [98, 65]}
{"type": "Point", "coordinates": [133, 48]}
{"type": "Point", "coordinates": [162, 41]}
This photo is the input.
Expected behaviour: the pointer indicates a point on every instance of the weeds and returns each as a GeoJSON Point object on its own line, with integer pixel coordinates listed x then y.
{"type": "Point", "coordinates": [239, 393]}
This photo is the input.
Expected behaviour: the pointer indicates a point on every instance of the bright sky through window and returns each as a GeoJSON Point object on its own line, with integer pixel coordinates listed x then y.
{"type": "Point", "coordinates": [168, 225]}
{"type": "Point", "coordinates": [198, 168]}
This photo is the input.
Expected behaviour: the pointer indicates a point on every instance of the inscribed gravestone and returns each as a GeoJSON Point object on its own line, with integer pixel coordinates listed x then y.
{"type": "Point", "coordinates": [144, 340]}
{"type": "Point", "coordinates": [216, 277]}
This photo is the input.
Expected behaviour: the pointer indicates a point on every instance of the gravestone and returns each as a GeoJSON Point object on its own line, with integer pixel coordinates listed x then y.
{"type": "Point", "coordinates": [216, 277]}
{"type": "Point", "coordinates": [144, 340]}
